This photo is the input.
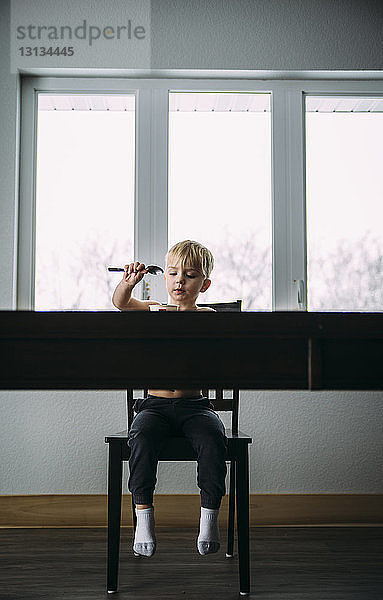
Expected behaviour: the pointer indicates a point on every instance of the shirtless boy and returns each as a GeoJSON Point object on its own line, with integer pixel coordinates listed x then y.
{"type": "Point", "coordinates": [187, 271]}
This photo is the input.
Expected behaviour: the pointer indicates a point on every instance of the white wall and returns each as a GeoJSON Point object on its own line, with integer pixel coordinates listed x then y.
{"type": "Point", "coordinates": [52, 442]}
{"type": "Point", "coordinates": [267, 34]}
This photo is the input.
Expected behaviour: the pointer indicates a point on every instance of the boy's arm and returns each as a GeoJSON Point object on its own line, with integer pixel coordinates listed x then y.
{"type": "Point", "coordinates": [122, 297]}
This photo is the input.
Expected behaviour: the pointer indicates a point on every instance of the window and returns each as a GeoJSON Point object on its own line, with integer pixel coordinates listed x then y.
{"type": "Point", "coordinates": [84, 198]}
{"type": "Point", "coordinates": [286, 192]}
{"type": "Point", "coordinates": [344, 203]}
{"type": "Point", "coordinates": [220, 189]}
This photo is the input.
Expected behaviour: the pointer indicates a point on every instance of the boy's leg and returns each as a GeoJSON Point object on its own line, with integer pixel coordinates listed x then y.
{"type": "Point", "coordinates": [148, 430]}
{"type": "Point", "coordinates": [207, 434]}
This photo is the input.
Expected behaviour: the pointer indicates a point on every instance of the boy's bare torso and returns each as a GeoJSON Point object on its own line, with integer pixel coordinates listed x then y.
{"type": "Point", "coordinates": [174, 393]}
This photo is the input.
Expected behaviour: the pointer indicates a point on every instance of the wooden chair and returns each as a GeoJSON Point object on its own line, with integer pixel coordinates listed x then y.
{"type": "Point", "coordinates": [180, 449]}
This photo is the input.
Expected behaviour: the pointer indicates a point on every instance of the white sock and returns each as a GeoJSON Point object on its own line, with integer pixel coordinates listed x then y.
{"type": "Point", "coordinates": [208, 538]}
{"type": "Point", "coordinates": [145, 539]}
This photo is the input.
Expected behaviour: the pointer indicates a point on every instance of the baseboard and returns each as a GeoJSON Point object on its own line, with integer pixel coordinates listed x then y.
{"type": "Point", "coordinates": [183, 510]}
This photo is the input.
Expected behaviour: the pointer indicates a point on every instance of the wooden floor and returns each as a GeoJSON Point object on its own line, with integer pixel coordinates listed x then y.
{"type": "Point", "coordinates": [318, 563]}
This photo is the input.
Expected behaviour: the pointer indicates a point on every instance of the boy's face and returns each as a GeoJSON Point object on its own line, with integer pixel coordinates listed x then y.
{"type": "Point", "coordinates": [184, 284]}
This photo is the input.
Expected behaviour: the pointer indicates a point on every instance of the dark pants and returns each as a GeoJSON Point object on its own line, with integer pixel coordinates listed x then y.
{"type": "Point", "coordinates": [194, 418]}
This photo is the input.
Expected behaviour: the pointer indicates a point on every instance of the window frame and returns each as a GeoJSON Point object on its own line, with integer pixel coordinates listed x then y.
{"type": "Point", "coordinates": [288, 177]}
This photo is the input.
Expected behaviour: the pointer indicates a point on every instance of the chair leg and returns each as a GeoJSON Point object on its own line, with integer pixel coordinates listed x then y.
{"type": "Point", "coordinates": [134, 516]}
{"type": "Point", "coordinates": [134, 525]}
{"type": "Point", "coordinates": [230, 525]}
{"type": "Point", "coordinates": [242, 488]}
{"type": "Point", "coordinates": [114, 515]}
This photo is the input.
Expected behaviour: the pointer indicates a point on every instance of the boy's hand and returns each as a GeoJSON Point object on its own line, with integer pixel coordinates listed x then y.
{"type": "Point", "coordinates": [133, 273]}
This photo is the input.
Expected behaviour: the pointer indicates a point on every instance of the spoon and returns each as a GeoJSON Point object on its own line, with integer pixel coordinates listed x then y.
{"type": "Point", "coordinates": [152, 269]}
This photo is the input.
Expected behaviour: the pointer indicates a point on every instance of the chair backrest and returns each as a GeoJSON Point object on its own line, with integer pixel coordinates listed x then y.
{"type": "Point", "coordinates": [230, 404]}
{"type": "Point", "coordinates": [235, 306]}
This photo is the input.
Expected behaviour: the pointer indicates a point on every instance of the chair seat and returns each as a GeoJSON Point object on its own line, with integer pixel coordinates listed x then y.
{"type": "Point", "coordinates": [123, 436]}
{"type": "Point", "coordinates": [179, 447]}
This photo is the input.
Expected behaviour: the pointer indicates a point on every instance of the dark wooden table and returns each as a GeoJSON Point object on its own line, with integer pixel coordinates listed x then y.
{"type": "Point", "coordinates": [249, 350]}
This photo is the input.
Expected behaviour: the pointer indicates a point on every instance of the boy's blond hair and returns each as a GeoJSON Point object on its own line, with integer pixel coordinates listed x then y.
{"type": "Point", "coordinates": [194, 254]}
